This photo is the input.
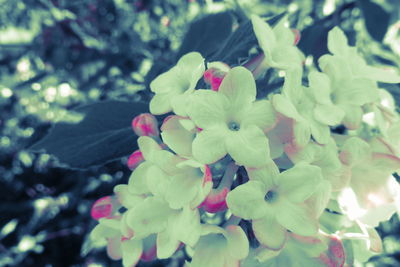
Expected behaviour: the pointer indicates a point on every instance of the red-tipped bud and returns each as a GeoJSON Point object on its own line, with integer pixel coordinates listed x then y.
{"type": "Point", "coordinates": [145, 124]}
{"type": "Point", "coordinates": [297, 36]}
{"type": "Point", "coordinates": [216, 200]}
{"type": "Point", "coordinates": [215, 74]}
{"type": "Point", "coordinates": [135, 159]}
{"type": "Point", "coordinates": [104, 207]}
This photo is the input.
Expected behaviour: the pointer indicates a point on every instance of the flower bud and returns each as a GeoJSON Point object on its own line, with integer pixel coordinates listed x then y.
{"type": "Point", "coordinates": [215, 74]}
{"type": "Point", "coordinates": [145, 124]}
{"type": "Point", "coordinates": [135, 159]}
{"type": "Point", "coordinates": [216, 200]}
{"type": "Point", "coordinates": [104, 207]}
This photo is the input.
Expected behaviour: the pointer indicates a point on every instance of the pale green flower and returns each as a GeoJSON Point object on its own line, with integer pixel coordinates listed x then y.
{"type": "Point", "coordinates": [382, 115]}
{"type": "Point", "coordinates": [373, 194]}
{"type": "Point", "coordinates": [296, 103]}
{"type": "Point", "coordinates": [275, 203]}
{"type": "Point", "coordinates": [277, 44]}
{"type": "Point", "coordinates": [178, 134]}
{"type": "Point", "coordinates": [219, 247]}
{"type": "Point", "coordinates": [172, 226]}
{"type": "Point", "coordinates": [320, 251]}
{"type": "Point", "coordinates": [347, 64]}
{"type": "Point", "coordinates": [232, 121]}
{"type": "Point", "coordinates": [190, 186]}
{"type": "Point", "coordinates": [172, 87]}
{"type": "Point", "coordinates": [341, 100]}
{"type": "Point", "coordinates": [326, 157]}
{"type": "Point", "coordinates": [118, 245]}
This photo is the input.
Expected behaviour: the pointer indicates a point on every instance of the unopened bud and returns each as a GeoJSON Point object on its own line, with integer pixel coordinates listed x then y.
{"type": "Point", "coordinates": [215, 74]}
{"type": "Point", "coordinates": [104, 207]}
{"type": "Point", "coordinates": [145, 124]}
{"type": "Point", "coordinates": [135, 159]}
{"type": "Point", "coordinates": [216, 200]}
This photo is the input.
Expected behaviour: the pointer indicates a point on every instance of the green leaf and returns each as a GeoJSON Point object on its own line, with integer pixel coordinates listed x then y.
{"type": "Point", "coordinates": [376, 19]}
{"type": "Point", "coordinates": [102, 135]}
{"type": "Point", "coordinates": [207, 34]}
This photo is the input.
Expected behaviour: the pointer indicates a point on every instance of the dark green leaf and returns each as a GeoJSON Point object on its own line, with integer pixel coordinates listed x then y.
{"type": "Point", "coordinates": [376, 19]}
{"type": "Point", "coordinates": [314, 40]}
{"type": "Point", "coordinates": [104, 134]}
{"type": "Point", "coordinates": [207, 34]}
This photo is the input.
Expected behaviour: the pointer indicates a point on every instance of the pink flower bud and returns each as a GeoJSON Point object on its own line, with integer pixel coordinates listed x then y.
{"type": "Point", "coordinates": [135, 159]}
{"type": "Point", "coordinates": [215, 74]}
{"type": "Point", "coordinates": [104, 207]}
{"type": "Point", "coordinates": [216, 200]}
{"type": "Point", "coordinates": [145, 124]}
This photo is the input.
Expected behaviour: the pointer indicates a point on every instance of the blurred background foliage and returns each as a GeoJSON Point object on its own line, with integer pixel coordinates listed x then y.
{"type": "Point", "coordinates": [56, 55]}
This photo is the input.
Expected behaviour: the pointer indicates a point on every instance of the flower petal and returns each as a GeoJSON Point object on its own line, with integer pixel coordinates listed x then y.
{"type": "Point", "coordinates": [265, 174]}
{"type": "Point", "coordinates": [160, 104]}
{"type": "Point", "coordinates": [148, 218]}
{"type": "Point", "coordinates": [210, 251]}
{"type": "Point", "coordinates": [320, 132]}
{"type": "Point", "coordinates": [264, 34]}
{"type": "Point", "coordinates": [247, 200]}
{"type": "Point", "coordinates": [239, 87]}
{"type": "Point", "coordinates": [179, 103]}
{"type": "Point", "coordinates": [381, 75]}
{"type": "Point", "coordinates": [302, 132]}
{"type": "Point", "coordinates": [170, 81]}
{"type": "Point", "coordinates": [320, 87]}
{"type": "Point", "coordinates": [148, 146]}
{"type": "Point", "coordinates": [299, 182]}
{"type": "Point", "coordinates": [283, 105]}
{"type": "Point", "coordinates": [127, 199]}
{"type": "Point", "coordinates": [248, 147]}
{"type": "Point", "coordinates": [137, 181]}
{"type": "Point", "coordinates": [176, 137]}
{"type": "Point", "coordinates": [208, 108]}
{"type": "Point", "coordinates": [209, 146]}
{"type": "Point", "coordinates": [353, 117]}
{"type": "Point", "coordinates": [157, 181]}
{"type": "Point", "coordinates": [261, 114]}
{"type": "Point", "coordinates": [186, 226]}
{"type": "Point", "coordinates": [166, 244]}
{"type": "Point", "coordinates": [337, 42]}
{"type": "Point", "coordinates": [319, 200]}
{"type": "Point", "coordinates": [182, 189]}
{"type": "Point", "coordinates": [238, 244]}
{"type": "Point", "coordinates": [269, 232]}
{"type": "Point", "coordinates": [297, 219]}
{"type": "Point", "coordinates": [328, 114]}
{"type": "Point", "coordinates": [131, 251]}
{"type": "Point", "coordinates": [191, 67]}
{"type": "Point", "coordinates": [357, 92]}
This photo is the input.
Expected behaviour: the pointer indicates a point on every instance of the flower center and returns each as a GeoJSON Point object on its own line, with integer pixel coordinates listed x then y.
{"type": "Point", "coordinates": [271, 196]}
{"type": "Point", "coordinates": [233, 126]}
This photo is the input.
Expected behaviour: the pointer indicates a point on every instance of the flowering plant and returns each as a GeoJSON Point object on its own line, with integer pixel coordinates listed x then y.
{"type": "Point", "coordinates": [299, 177]}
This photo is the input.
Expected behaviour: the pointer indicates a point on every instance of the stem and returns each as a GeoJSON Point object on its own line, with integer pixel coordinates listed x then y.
{"type": "Point", "coordinates": [228, 177]}
{"type": "Point", "coordinates": [233, 220]}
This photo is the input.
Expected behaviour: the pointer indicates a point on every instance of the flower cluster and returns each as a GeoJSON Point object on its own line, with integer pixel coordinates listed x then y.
{"type": "Point", "coordinates": [231, 179]}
